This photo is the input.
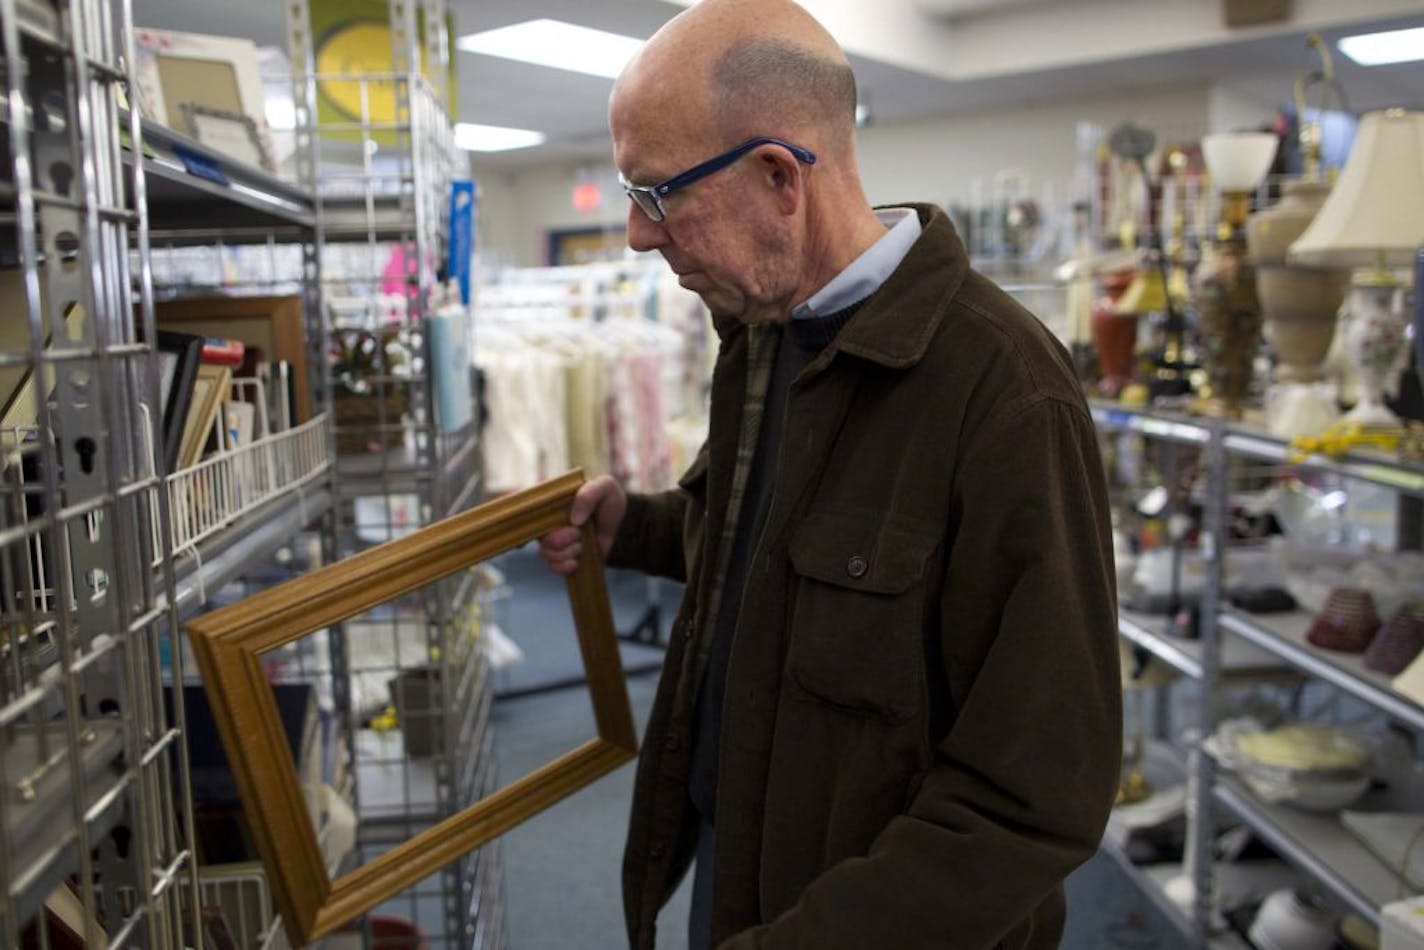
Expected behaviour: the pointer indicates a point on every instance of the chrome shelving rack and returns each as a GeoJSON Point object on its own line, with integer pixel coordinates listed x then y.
{"type": "Point", "coordinates": [1233, 643]}
{"type": "Point", "coordinates": [380, 171]}
{"type": "Point", "coordinates": [85, 744]}
{"type": "Point", "coordinates": [94, 574]}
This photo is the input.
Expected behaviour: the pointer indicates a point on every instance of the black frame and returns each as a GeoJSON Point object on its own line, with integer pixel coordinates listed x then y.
{"type": "Point", "coordinates": [178, 356]}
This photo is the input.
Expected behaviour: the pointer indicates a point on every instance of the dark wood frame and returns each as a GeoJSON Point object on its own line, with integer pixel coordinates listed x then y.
{"type": "Point", "coordinates": [229, 644]}
{"type": "Point", "coordinates": [225, 316]}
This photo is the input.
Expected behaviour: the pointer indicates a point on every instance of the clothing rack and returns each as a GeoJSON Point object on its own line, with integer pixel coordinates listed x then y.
{"type": "Point", "coordinates": [606, 307]}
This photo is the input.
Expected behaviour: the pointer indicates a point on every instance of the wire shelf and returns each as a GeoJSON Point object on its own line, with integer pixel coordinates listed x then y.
{"type": "Point", "coordinates": [215, 493]}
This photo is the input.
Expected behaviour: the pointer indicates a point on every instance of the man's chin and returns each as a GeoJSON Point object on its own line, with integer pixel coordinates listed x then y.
{"type": "Point", "coordinates": [722, 308]}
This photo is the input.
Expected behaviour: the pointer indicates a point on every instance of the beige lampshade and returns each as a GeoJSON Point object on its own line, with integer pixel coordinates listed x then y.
{"type": "Point", "coordinates": [1375, 213]}
{"type": "Point", "coordinates": [1238, 161]}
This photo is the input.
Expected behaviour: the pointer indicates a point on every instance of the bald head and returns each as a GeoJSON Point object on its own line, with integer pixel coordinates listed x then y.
{"type": "Point", "coordinates": [759, 80]}
{"type": "Point", "coordinates": [767, 230]}
{"type": "Point", "coordinates": [747, 68]}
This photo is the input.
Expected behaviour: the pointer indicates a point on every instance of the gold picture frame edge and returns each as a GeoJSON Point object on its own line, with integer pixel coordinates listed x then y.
{"type": "Point", "coordinates": [235, 693]}
{"type": "Point", "coordinates": [228, 644]}
{"type": "Point", "coordinates": [492, 816]}
{"type": "Point", "coordinates": [375, 576]}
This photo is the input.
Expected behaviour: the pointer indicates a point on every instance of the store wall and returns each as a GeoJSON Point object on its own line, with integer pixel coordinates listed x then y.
{"type": "Point", "coordinates": [956, 159]}
{"type": "Point", "coordinates": [952, 159]}
{"type": "Point", "coordinates": [1248, 102]}
{"type": "Point", "coordinates": [519, 207]}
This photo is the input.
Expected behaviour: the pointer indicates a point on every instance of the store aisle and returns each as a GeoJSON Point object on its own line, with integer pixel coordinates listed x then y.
{"type": "Point", "coordinates": [562, 868]}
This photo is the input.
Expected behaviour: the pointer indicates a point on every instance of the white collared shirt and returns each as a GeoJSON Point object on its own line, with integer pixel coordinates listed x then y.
{"type": "Point", "coordinates": [864, 275]}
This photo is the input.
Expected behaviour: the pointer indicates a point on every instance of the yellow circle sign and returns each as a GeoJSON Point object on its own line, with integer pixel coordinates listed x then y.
{"type": "Point", "coordinates": [359, 49]}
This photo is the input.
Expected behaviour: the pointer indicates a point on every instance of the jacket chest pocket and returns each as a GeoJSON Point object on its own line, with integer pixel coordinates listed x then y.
{"type": "Point", "coordinates": [857, 624]}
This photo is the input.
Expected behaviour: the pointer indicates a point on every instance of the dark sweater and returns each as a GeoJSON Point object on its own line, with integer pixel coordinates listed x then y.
{"type": "Point", "coordinates": [801, 340]}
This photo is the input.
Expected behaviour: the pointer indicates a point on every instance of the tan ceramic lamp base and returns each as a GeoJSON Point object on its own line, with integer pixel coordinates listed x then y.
{"type": "Point", "coordinates": [1299, 304]}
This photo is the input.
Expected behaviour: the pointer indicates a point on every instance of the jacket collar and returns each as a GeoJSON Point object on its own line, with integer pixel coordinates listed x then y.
{"type": "Point", "coordinates": [895, 326]}
{"type": "Point", "coordinates": [897, 322]}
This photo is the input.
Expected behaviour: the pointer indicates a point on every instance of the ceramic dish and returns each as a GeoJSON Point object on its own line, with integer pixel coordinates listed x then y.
{"type": "Point", "coordinates": [1313, 767]}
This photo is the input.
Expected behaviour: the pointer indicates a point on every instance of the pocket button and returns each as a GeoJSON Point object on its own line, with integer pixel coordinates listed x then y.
{"type": "Point", "coordinates": [857, 566]}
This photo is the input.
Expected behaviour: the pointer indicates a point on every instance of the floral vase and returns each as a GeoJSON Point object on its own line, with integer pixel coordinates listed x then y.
{"type": "Point", "coordinates": [1375, 339]}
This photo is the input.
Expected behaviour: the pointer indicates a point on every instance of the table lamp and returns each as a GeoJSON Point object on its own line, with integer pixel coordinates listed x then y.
{"type": "Point", "coordinates": [1148, 294]}
{"type": "Point", "coordinates": [1299, 304]}
{"type": "Point", "coordinates": [1373, 221]}
{"type": "Point", "coordinates": [1225, 283]}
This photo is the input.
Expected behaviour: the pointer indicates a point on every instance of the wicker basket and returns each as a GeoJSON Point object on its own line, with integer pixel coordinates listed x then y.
{"type": "Point", "coordinates": [359, 423]}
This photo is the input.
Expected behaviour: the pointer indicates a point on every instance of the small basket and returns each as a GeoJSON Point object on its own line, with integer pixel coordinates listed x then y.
{"type": "Point", "coordinates": [360, 426]}
{"type": "Point", "coordinates": [1398, 642]}
{"type": "Point", "coordinates": [1347, 622]}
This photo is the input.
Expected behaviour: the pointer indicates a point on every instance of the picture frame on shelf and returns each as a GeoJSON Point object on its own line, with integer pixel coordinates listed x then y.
{"type": "Point", "coordinates": [220, 73]}
{"type": "Point", "coordinates": [234, 134]}
{"type": "Point", "coordinates": [273, 325]}
{"type": "Point", "coordinates": [19, 394]}
{"type": "Point", "coordinates": [229, 645]}
{"type": "Point", "coordinates": [178, 356]}
{"type": "Point", "coordinates": [211, 388]}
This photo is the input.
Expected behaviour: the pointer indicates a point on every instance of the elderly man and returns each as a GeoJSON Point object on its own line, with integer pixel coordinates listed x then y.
{"type": "Point", "coordinates": [890, 714]}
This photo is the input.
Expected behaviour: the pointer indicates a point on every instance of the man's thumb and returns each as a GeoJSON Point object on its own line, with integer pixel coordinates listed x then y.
{"type": "Point", "coordinates": [584, 504]}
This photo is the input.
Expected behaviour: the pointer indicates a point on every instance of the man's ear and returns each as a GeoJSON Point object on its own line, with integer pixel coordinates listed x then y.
{"type": "Point", "coordinates": [779, 171]}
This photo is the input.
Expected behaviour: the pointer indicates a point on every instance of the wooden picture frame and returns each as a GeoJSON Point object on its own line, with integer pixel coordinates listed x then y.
{"type": "Point", "coordinates": [229, 643]}
{"type": "Point", "coordinates": [211, 388]}
{"type": "Point", "coordinates": [274, 325]}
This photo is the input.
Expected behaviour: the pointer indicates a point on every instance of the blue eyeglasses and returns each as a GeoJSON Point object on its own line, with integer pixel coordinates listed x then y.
{"type": "Point", "coordinates": [649, 198]}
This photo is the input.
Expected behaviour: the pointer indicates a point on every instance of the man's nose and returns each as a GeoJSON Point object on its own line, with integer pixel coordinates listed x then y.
{"type": "Point", "coordinates": [644, 234]}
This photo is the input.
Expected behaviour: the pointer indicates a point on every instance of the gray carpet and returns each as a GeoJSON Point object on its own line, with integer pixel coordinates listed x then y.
{"type": "Point", "coordinates": [562, 867]}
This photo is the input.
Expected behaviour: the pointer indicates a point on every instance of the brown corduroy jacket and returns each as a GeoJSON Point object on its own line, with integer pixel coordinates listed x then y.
{"type": "Point", "coordinates": [921, 734]}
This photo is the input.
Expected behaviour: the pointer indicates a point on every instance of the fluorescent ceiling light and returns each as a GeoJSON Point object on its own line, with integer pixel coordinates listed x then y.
{"type": "Point", "coordinates": [1380, 49]}
{"type": "Point", "coordinates": [494, 138]}
{"type": "Point", "coordinates": [556, 44]}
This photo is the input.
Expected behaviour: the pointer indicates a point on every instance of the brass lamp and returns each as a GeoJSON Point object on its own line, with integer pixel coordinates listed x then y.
{"type": "Point", "coordinates": [1225, 284]}
{"type": "Point", "coordinates": [1373, 221]}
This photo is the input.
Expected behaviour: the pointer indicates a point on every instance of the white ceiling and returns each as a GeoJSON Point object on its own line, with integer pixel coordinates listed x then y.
{"type": "Point", "coordinates": [977, 55]}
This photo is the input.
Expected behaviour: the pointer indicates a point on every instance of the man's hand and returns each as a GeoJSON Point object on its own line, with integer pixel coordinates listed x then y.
{"type": "Point", "coordinates": [602, 499]}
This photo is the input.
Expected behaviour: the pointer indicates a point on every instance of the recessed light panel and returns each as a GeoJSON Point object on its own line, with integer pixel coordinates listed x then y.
{"type": "Point", "coordinates": [1381, 49]}
{"type": "Point", "coordinates": [557, 45]}
{"type": "Point", "coordinates": [494, 138]}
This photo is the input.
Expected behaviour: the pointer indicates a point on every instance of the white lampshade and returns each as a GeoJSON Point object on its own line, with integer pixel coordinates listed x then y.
{"type": "Point", "coordinates": [1238, 161]}
{"type": "Point", "coordinates": [1375, 213]}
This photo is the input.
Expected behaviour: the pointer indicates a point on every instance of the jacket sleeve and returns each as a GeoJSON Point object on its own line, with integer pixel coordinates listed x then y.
{"type": "Point", "coordinates": [1023, 778]}
{"type": "Point", "coordinates": [650, 536]}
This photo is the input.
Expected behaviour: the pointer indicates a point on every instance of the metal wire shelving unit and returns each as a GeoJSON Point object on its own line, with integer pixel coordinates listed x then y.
{"type": "Point", "coordinates": [380, 158]}
{"type": "Point", "coordinates": [1238, 457]}
{"type": "Point", "coordinates": [102, 551]}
